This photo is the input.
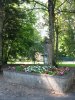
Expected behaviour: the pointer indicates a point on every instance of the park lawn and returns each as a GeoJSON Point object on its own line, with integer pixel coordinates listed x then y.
{"type": "Point", "coordinates": [66, 65]}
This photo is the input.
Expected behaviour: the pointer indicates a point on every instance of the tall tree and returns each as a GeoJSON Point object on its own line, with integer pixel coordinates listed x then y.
{"type": "Point", "coordinates": [51, 16]}
{"type": "Point", "coordinates": [51, 5]}
{"type": "Point", "coordinates": [1, 26]}
{"type": "Point", "coordinates": [4, 3]}
{"type": "Point", "coordinates": [19, 32]}
{"type": "Point", "coordinates": [66, 19]}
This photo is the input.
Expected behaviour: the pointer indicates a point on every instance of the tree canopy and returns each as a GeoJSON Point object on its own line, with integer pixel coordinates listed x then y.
{"type": "Point", "coordinates": [19, 32]}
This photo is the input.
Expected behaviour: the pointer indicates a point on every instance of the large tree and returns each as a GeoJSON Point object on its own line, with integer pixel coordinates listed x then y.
{"type": "Point", "coordinates": [1, 26]}
{"type": "Point", "coordinates": [49, 7]}
{"type": "Point", "coordinates": [55, 9]}
{"type": "Point", "coordinates": [65, 29]}
{"type": "Point", "coordinates": [13, 22]}
{"type": "Point", "coordinates": [19, 32]}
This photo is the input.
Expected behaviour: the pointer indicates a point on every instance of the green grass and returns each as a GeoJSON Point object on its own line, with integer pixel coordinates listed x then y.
{"type": "Point", "coordinates": [66, 65]}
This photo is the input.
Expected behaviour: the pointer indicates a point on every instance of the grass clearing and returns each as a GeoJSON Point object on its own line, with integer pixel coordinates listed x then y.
{"type": "Point", "coordinates": [66, 65]}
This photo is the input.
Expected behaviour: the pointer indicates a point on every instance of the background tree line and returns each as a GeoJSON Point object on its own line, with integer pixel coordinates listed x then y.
{"type": "Point", "coordinates": [19, 32]}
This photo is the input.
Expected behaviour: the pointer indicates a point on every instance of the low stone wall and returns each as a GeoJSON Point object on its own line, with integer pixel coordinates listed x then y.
{"type": "Point", "coordinates": [59, 84]}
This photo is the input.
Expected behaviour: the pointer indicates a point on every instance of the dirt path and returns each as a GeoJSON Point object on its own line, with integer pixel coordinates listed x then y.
{"type": "Point", "coordinates": [9, 91]}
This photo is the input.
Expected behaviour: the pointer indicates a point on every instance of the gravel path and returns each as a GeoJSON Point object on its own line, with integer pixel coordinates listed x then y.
{"type": "Point", "coordinates": [10, 91]}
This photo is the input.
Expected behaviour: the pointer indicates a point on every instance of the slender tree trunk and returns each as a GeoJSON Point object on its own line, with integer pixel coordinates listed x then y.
{"type": "Point", "coordinates": [51, 32]}
{"type": "Point", "coordinates": [57, 34]}
{"type": "Point", "coordinates": [1, 26]}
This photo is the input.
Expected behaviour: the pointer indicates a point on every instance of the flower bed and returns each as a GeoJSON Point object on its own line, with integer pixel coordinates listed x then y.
{"type": "Point", "coordinates": [41, 69]}
{"type": "Point", "coordinates": [58, 80]}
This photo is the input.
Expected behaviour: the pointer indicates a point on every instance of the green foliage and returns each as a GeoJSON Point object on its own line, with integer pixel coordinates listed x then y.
{"type": "Point", "coordinates": [37, 69]}
{"type": "Point", "coordinates": [19, 68]}
{"type": "Point", "coordinates": [51, 73]}
{"type": "Point", "coordinates": [65, 20]}
{"type": "Point", "coordinates": [19, 33]}
{"type": "Point", "coordinates": [66, 38]}
{"type": "Point", "coordinates": [22, 39]}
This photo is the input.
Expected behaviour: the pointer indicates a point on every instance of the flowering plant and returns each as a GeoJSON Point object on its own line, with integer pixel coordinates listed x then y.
{"type": "Point", "coordinates": [62, 71]}
{"type": "Point", "coordinates": [51, 70]}
{"type": "Point", "coordinates": [47, 70]}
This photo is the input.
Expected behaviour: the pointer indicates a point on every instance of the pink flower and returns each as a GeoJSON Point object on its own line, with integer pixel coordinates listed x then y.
{"type": "Point", "coordinates": [67, 69]}
{"type": "Point", "coordinates": [62, 73]}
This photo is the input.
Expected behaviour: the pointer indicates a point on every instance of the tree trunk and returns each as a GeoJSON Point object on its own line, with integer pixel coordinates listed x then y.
{"type": "Point", "coordinates": [1, 27]}
{"type": "Point", "coordinates": [57, 34]}
{"type": "Point", "coordinates": [51, 33]}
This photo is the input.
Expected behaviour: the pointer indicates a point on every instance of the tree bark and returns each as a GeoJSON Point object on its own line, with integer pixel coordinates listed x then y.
{"type": "Point", "coordinates": [57, 35]}
{"type": "Point", "coordinates": [51, 33]}
{"type": "Point", "coordinates": [1, 27]}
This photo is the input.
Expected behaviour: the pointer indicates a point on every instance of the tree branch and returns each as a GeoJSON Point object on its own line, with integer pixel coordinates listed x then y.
{"type": "Point", "coordinates": [40, 3]}
{"type": "Point", "coordinates": [36, 2]}
{"type": "Point", "coordinates": [60, 5]}
{"type": "Point", "coordinates": [67, 11]}
{"type": "Point", "coordinates": [37, 8]}
{"type": "Point", "coordinates": [54, 3]}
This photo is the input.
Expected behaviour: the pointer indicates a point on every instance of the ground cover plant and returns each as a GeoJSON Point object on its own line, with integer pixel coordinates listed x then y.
{"type": "Point", "coordinates": [45, 69]}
